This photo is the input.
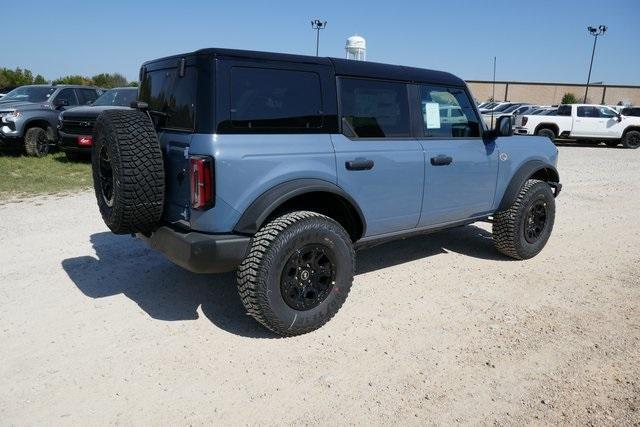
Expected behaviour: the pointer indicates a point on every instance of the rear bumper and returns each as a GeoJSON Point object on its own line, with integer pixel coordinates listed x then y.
{"type": "Point", "coordinates": [199, 252]}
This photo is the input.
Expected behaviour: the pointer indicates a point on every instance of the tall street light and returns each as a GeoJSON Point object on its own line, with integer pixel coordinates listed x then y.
{"type": "Point", "coordinates": [594, 32]}
{"type": "Point", "coordinates": [318, 25]}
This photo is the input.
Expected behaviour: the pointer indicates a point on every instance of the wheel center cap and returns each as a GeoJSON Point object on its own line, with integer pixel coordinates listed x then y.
{"type": "Point", "coordinates": [304, 275]}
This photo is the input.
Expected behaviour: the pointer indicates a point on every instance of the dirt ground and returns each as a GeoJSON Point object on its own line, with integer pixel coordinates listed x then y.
{"type": "Point", "coordinates": [98, 329]}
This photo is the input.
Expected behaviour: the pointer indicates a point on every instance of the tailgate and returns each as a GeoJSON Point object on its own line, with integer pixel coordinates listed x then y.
{"type": "Point", "coordinates": [177, 206]}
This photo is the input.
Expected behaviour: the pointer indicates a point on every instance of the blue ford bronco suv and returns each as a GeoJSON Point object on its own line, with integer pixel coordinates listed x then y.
{"type": "Point", "coordinates": [281, 165]}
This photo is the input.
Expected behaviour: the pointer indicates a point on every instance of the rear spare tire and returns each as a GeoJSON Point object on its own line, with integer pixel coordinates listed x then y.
{"type": "Point", "coordinates": [128, 172]}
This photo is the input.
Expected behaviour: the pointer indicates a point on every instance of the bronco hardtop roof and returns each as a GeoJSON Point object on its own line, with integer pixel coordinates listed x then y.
{"type": "Point", "coordinates": [342, 67]}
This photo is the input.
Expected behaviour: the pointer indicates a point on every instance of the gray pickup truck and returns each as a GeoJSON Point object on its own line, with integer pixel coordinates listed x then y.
{"type": "Point", "coordinates": [29, 114]}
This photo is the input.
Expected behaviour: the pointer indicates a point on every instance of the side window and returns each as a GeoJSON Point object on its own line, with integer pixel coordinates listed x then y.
{"type": "Point", "coordinates": [264, 98]}
{"type": "Point", "coordinates": [463, 121]}
{"type": "Point", "coordinates": [375, 109]}
{"type": "Point", "coordinates": [606, 112]}
{"type": "Point", "coordinates": [174, 96]}
{"type": "Point", "coordinates": [87, 96]}
{"type": "Point", "coordinates": [69, 95]}
{"type": "Point", "coordinates": [588, 112]}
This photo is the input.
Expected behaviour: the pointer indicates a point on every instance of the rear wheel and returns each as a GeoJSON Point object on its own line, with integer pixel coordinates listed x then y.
{"type": "Point", "coordinates": [631, 139]}
{"type": "Point", "coordinates": [549, 133]}
{"type": "Point", "coordinates": [36, 142]}
{"type": "Point", "coordinates": [524, 229]}
{"type": "Point", "coordinates": [298, 273]}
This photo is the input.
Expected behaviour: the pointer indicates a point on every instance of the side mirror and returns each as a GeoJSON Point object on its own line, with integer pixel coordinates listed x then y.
{"type": "Point", "coordinates": [619, 117]}
{"type": "Point", "coordinates": [59, 103]}
{"type": "Point", "coordinates": [504, 126]}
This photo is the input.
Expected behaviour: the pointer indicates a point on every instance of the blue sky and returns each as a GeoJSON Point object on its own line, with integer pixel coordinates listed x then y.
{"type": "Point", "coordinates": [536, 40]}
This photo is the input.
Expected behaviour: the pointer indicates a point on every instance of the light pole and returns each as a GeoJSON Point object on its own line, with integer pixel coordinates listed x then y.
{"type": "Point", "coordinates": [318, 25]}
{"type": "Point", "coordinates": [594, 32]}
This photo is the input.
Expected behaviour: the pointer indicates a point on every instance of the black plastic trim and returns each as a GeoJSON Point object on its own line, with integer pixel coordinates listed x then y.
{"type": "Point", "coordinates": [199, 252]}
{"type": "Point", "coordinates": [255, 215]}
{"type": "Point", "coordinates": [525, 172]}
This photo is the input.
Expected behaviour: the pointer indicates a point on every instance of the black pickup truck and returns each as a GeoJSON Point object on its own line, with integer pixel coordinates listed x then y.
{"type": "Point", "coordinates": [75, 126]}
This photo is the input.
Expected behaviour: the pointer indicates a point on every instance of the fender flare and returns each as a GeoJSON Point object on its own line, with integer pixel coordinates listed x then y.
{"type": "Point", "coordinates": [526, 171]}
{"type": "Point", "coordinates": [263, 206]}
{"type": "Point", "coordinates": [51, 130]}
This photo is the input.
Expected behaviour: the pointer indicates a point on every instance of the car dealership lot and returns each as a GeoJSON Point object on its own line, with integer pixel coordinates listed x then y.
{"type": "Point", "coordinates": [96, 328]}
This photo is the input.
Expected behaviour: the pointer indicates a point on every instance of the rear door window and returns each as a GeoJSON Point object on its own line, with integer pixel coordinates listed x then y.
{"type": "Point", "coordinates": [463, 122]}
{"type": "Point", "coordinates": [69, 95]}
{"type": "Point", "coordinates": [374, 109]}
{"type": "Point", "coordinates": [588, 112]}
{"type": "Point", "coordinates": [171, 95]}
{"type": "Point", "coordinates": [263, 98]}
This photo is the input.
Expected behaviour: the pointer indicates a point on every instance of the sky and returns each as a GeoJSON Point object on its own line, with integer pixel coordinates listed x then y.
{"type": "Point", "coordinates": [535, 40]}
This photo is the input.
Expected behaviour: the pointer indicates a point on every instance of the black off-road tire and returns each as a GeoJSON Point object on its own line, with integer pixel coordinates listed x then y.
{"type": "Point", "coordinates": [631, 139]}
{"type": "Point", "coordinates": [549, 133]}
{"type": "Point", "coordinates": [612, 143]}
{"type": "Point", "coordinates": [36, 142]}
{"type": "Point", "coordinates": [260, 274]}
{"type": "Point", "coordinates": [127, 158]}
{"type": "Point", "coordinates": [509, 226]}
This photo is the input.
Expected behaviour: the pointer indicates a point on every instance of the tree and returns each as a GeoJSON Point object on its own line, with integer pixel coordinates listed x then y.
{"type": "Point", "coordinates": [107, 80]}
{"type": "Point", "coordinates": [39, 80]}
{"type": "Point", "coordinates": [17, 77]}
{"type": "Point", "coordinates": [569, 98]}
{"type": "Point", "coordinates": [73, 80]}
{"type": "Point", "coordinates": [133, 84]}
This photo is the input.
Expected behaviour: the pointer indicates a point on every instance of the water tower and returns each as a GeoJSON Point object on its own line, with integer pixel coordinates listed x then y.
{"type": "Point", "coordinates": [356, 48]}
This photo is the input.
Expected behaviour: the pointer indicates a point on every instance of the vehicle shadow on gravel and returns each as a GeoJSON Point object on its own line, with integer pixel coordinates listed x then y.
{"type": "Point", "coordinates": [123, 265]}
{"type": "Point", "coordinates": [468, 240]}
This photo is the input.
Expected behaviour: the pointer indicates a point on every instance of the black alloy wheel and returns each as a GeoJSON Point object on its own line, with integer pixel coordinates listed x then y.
{"type": "Point", "coordinates": [308, 277]}
{"type": "Point", "coordinates": [106, 176]}
{"type": "Point", "coordinates": [536, 221]}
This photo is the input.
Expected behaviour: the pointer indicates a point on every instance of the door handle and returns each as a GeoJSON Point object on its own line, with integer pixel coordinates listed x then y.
{"type": "Point", "coordinates": [359, 165]}
{"type": "Point", "coordinates": [441, 160]}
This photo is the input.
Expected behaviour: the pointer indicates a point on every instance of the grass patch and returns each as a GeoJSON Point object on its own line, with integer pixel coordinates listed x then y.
{"type": "Point", "coordinates": [25, 176]}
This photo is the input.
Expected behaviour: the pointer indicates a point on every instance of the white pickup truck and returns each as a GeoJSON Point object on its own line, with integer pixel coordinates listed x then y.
{"type": "Point", "coordinates": [583, 122]}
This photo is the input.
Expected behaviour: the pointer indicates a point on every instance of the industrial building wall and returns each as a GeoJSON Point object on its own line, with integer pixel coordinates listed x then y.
{"type": "Point", "coordinates": [552, 93]}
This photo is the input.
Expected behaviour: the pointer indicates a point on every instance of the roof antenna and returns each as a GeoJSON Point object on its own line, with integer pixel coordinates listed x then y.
{"type": "Point", "coordinates": [493, 90]}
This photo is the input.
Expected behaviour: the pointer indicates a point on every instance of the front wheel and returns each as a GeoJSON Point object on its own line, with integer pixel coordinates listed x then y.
{"type": "Point", "coordinates": [298, 273]}
{"type": "Point", "coordinates": [523, 230]}
{"type": "Point", "coordinates": [631, 139]}
{"type": "Point", "coordinates": [36, 142]}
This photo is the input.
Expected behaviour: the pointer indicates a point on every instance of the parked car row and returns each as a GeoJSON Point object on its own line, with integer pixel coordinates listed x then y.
{"type": "Point", "coordinates": [33, 117]}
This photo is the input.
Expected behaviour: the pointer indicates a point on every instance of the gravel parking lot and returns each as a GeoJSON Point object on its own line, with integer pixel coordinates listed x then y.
{"type": "Point", "coordinates": [98, 329]}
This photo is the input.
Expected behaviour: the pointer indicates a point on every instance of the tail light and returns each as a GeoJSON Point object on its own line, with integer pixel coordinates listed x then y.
{"type": "Point", "coordinates": [525, 119]}
{"type": "Point", "coordinates": [202, 182]}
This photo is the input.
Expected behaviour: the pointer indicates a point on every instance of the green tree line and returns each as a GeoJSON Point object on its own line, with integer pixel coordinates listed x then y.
{"type": "Point", "coordinates": [20, 77]}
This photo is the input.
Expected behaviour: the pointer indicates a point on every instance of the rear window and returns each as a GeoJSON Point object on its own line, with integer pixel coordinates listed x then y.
{"type": "Point", "coordinates": [264, 98]}
{"type": "Point", "coordinates": [374, 109]}
{"type": "Point", "coordinates": [174, 96]}
{"type": "Point", "coordinates": [564, 110]}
